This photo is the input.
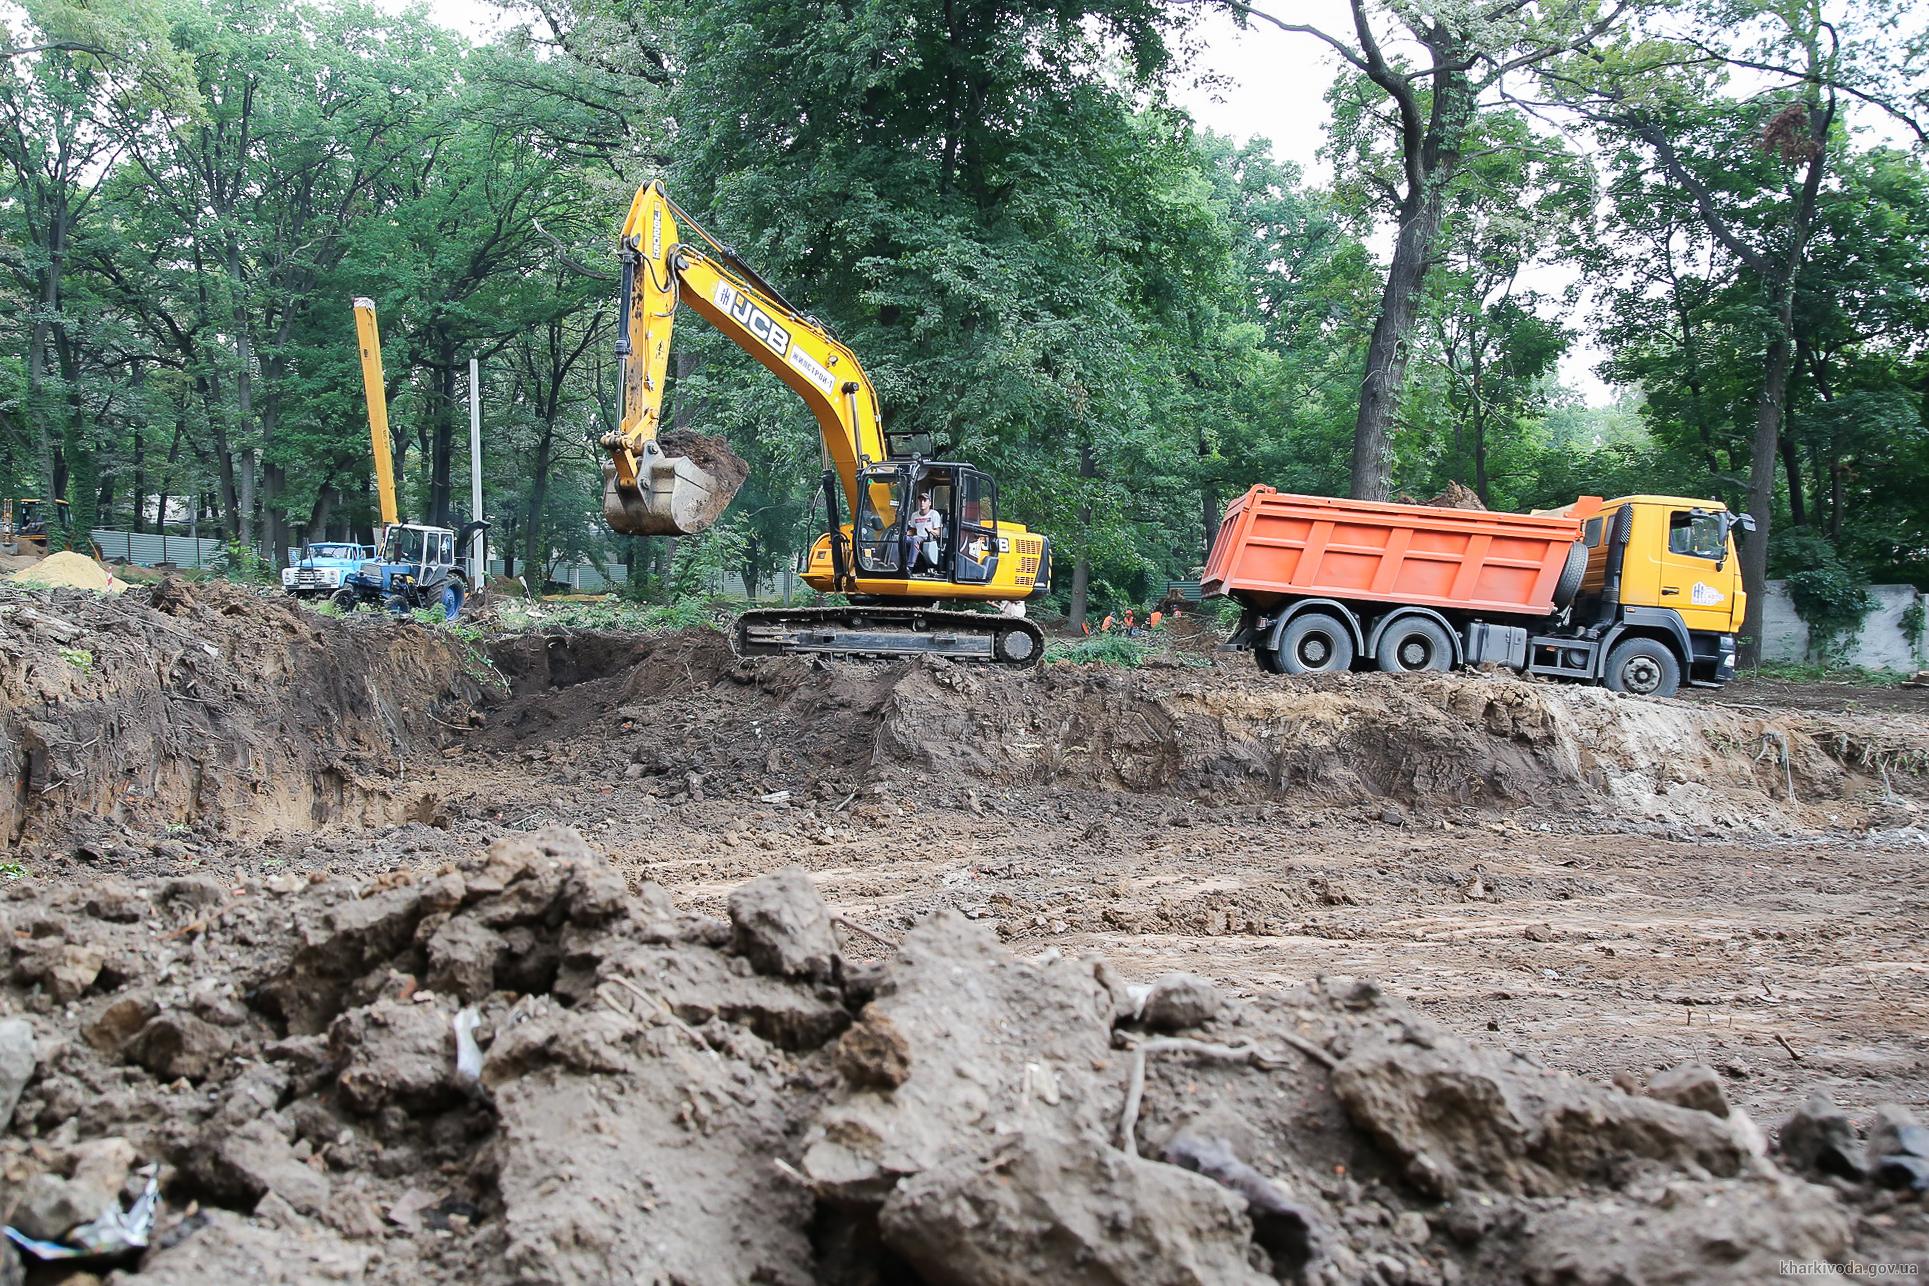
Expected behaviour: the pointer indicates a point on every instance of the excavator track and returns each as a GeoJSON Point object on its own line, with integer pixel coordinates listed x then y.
{"type": "Point", "coordinates": [889, 631]}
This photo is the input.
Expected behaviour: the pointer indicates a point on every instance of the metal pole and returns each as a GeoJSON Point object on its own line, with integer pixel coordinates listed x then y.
{"type": "Point", "coordinates": [478, 547]}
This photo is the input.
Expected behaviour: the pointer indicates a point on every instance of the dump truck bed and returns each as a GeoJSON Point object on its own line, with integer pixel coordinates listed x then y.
{"type": "Point", "coordinates": [1274, 546]}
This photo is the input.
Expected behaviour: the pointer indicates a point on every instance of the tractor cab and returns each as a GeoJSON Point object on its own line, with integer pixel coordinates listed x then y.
{"type": "Point", "coordinates": [927, 520]}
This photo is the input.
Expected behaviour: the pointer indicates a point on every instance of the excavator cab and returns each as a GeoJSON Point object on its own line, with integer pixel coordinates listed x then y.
{"type": "Point", "coordinates": [964, 547]}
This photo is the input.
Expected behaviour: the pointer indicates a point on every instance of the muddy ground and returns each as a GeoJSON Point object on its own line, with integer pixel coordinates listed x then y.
{"type": "Point", "coordinates": [1602, 886]}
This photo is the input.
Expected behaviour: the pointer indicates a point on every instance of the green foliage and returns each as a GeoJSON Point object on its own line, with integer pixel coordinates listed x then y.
{"type": "Point", "coordinates": [701, 561]}
{"type": "Point", "coordinates": [78, 657]}
{"type": "Point", "coordinates": [1101, 649]}
{"type": "Point", "coordinates": [243, 565]}
{"type": "Point", "coordinates": [1913, 623]}
{"type": "Point", "coordinates": [610, 614]}
{"type": "Point", "coordinates": [1826, 672]}
{"type": "Point", "coordinates": [1830, 596]}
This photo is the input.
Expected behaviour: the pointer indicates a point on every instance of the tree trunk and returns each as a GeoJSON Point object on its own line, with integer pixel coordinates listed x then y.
{"type": "Point", "coordinates": [38, 340]}
{"type": "Point", "coordinates": [1761, 478]}
{"type": "Point", "coordinates": [443, 442]}
{"type": "Point", "coordinates": [1209, 510]}
{"type": "Point", "coordinates": [1386, 354]}
{"type": "Point", "coordinates": [1792, 465]}
{"type": "Point", "coordinates": [243, 399]}
{"type": "Point", "coordinates": [533, 553]}
{"type": "Point", "coordinates": [1082, 565]}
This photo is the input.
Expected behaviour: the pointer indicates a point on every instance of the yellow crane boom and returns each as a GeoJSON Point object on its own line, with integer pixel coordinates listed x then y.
{"type": "Point", "coordinates": [369, 338]}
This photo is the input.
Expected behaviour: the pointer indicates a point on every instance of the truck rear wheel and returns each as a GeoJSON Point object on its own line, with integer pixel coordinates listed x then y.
{"type": "Point", "coordinates": [1414, 644]}
{"type": "Point", "coordinates": [1642, 667]}
{"type": "Point", "coordinates": [1313, 643]}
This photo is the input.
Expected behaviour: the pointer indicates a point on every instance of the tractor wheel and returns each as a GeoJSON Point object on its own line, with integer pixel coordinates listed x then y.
{"type": "Point", "coordinates": [451, 600]}
{"type": "Point", "coordinates": [345, 599]}
{"type": "Point", "coordinates": [398, 605]}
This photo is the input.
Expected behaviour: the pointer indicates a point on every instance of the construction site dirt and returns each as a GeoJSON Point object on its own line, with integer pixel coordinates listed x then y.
{"type": "Point", "coordinates": [1458, 931]}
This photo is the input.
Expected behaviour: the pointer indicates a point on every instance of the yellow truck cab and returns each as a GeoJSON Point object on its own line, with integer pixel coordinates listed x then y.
{"type": "Point", "coordinates": [1664, 567]}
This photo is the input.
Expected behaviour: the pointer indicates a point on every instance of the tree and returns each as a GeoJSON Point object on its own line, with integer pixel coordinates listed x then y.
{"type": "Point", "coordinates": [1760, 212]}
{"type": "Point", "coordinates": [1435, 67]}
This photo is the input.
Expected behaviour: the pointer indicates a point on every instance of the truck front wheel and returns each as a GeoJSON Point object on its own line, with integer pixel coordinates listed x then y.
{"type": "Point", "coordinates": [1642, 667]}
{"type": "Point", "coordinates": [1313, 643]}
{"type": "Point", "coordinates": [1412, 645]}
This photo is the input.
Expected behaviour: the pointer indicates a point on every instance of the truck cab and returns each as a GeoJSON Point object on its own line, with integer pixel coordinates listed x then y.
{"type": "Point", "coordinates": [1666, 567]}
{"type": "Point", "coordinates": [317, 569]}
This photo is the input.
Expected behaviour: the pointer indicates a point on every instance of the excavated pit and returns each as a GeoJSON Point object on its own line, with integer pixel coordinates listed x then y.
{"type": "Point", "coordinates": [210, 709]}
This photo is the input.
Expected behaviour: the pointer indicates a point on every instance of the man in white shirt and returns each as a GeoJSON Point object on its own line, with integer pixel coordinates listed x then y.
{"type": "Point", "coordinates": [921, 532]}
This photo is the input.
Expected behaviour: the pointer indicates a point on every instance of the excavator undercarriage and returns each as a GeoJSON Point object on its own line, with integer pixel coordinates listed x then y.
{"type": "Point", "coordinates": [889, 630]}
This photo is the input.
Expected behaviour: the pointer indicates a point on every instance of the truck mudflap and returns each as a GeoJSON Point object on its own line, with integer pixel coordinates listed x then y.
{"type": "Point", "coordinates": [1714, 660]}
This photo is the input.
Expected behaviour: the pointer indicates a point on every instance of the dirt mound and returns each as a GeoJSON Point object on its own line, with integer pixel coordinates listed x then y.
{"type": "Point", "coordinates": [67, 570]}
{"type": "Point", "coordinates": [209, 707]}
{"type": "Point", "coordinates": [682, 704]}
{"type": "Point", "coordinates": [515, 1069]}
{"type": "Point", "coordinates": [714, 456]}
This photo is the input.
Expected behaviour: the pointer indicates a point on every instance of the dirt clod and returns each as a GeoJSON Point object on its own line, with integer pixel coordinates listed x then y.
{"type": "Point", "coordinates": [1036, 1208]}
{"type": "Point", "coordinates": [1819, 1139]}
{"type": "Point", "coordinates": [1179, 1002]}
{"type": "Point", "coordinates": [779, 924]}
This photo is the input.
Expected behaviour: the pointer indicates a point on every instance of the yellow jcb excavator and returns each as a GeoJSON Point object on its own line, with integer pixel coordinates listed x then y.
{"type": "Point", "coordinates": [919, 531]}
{"type": "Point", "coordinates": [23, 530]}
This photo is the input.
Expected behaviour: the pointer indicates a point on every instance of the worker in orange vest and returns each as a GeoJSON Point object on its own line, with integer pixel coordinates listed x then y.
{"type": "Point", "coordinates": [1105, 626]}
{"type": "Point", "coordinates": [1152, 621]}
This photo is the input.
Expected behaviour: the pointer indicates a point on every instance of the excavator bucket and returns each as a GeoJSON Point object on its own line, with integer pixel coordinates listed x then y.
{"type": "Point", "coordinates": [674, 496]}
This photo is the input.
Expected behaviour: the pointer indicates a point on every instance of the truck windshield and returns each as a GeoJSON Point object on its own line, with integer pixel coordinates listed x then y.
{"type": "Point", "coordinates": [1697, 534]}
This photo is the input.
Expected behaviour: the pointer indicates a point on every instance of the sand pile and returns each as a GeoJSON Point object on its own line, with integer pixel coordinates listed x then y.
{"type": "Point", "coordinates": [67, 570]}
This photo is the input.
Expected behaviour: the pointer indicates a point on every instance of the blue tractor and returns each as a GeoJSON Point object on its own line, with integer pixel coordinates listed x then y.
{"type": "Point", "coordinates": [418, 567]}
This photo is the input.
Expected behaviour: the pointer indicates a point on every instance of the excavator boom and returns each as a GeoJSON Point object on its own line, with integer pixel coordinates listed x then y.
{"type": "Point", "coordinates": [369, 338]}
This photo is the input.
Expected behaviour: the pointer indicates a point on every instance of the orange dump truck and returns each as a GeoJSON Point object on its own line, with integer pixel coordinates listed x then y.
{"type": "Point", "coordinates": [1640, 594]}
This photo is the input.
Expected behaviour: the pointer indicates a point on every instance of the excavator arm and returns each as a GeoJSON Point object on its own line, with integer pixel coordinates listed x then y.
{"type": "Point", "coordinates": [649, 492]}
{"type": "Point", "coordinates": [368, 338]}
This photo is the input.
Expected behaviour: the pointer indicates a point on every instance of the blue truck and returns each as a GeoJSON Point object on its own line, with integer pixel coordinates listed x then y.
{"type": "Point", "coordinates": [318, 568]}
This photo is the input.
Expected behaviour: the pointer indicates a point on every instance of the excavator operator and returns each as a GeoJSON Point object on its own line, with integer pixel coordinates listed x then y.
{"type": "Point", "coordinates": [922, 531]}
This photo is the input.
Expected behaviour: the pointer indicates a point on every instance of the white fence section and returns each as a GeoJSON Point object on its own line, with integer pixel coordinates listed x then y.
{"type": "Point", "coordinates": [1883, 643]}
{"type": "Point", "coordinates": [152, 548]}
